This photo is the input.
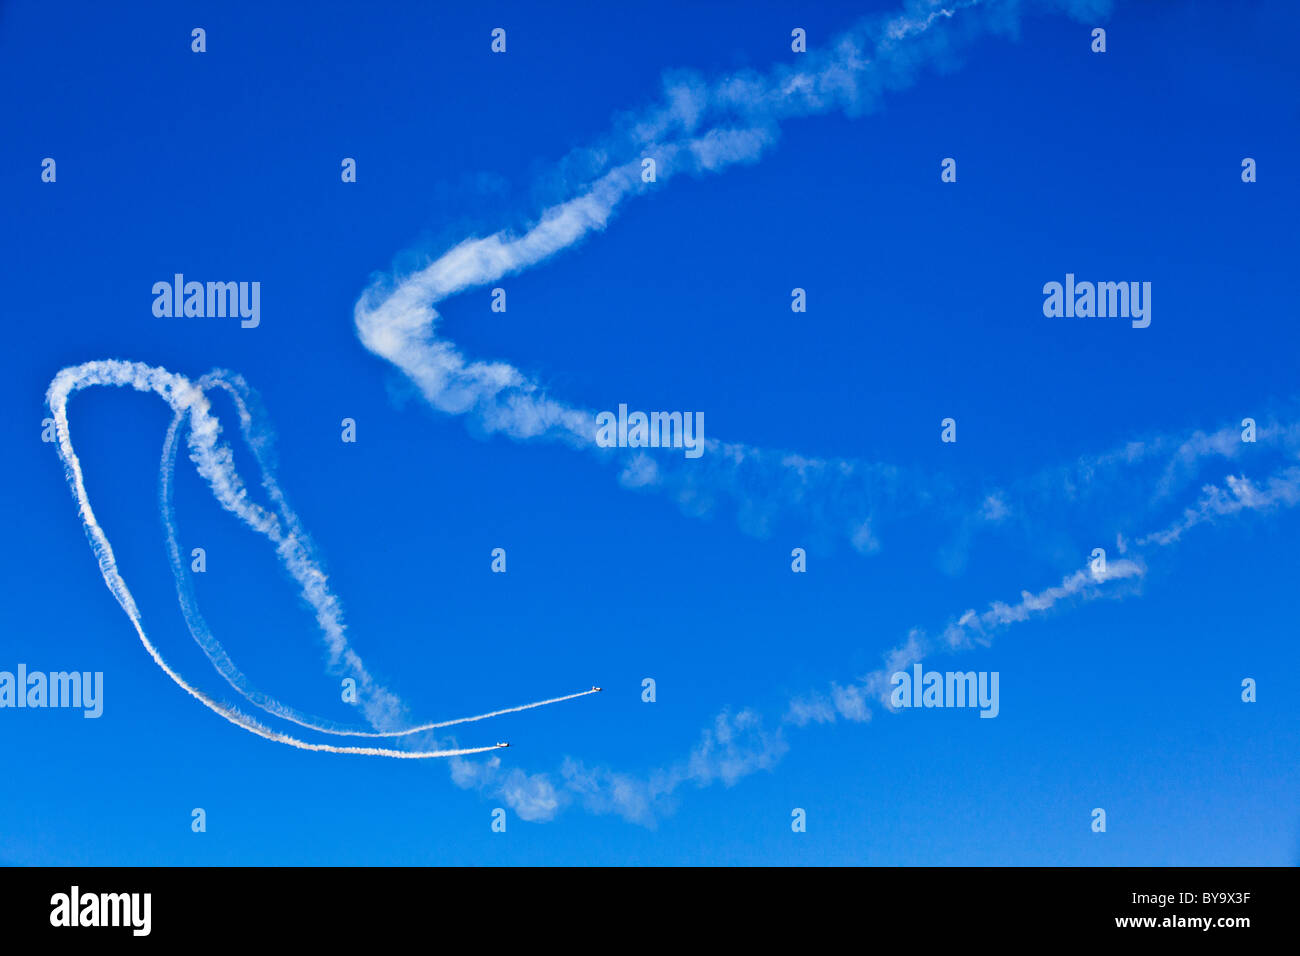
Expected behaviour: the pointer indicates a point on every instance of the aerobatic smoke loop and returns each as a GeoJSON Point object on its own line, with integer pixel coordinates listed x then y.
{"type": "Point", "coordinates": [215, 462]}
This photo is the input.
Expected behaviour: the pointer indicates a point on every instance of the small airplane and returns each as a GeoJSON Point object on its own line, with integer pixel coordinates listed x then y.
{"type": "Point", "coordinates": [502, 744]}
{"type": "Point", "coordinates": [594, 688]}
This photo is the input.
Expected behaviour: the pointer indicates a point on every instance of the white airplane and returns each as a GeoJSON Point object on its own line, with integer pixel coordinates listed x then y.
{"type": "Point", "coordinates": [500, 744]}
{"type": "Point", "coordinates": [593, 688]}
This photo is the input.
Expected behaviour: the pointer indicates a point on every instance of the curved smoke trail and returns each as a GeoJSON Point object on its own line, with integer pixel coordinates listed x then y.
{"type": "Point", "coordinates": [215, 463]}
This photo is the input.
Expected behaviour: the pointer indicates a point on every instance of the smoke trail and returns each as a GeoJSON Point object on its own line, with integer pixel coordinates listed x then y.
{"type": "Point", "coordinates": [734, 746]}
{"type": "Point", "coordinates": [698, 127]}
{"type": "Point", "coordinates": [969, 630]}
{"type": "Point", "coordinates": [215, 463]}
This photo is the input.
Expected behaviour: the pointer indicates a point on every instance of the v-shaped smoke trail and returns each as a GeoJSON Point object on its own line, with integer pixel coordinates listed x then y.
{"type": "Point", "coordinates": [699, 127]}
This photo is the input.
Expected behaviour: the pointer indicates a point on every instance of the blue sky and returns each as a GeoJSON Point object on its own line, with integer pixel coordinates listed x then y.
{"type": "Point", "coordinates": [924, 302]}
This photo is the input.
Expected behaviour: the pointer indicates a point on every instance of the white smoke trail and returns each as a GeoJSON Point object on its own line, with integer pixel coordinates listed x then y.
{"type": "Point", "coordinates": [399, 323]}
{"type": "Point", "coordinates": [969, 630]}
{"type": "Point", "coordinates": [738, 745]}
{"type": "Point", "coordinates": [699, 127]}
{"type": "Point", "coordinates": [1280, 490]}
{"type": "Point", "coordinates": [215, 463]}
{"type": "Point", "coordinates": [735, 746]}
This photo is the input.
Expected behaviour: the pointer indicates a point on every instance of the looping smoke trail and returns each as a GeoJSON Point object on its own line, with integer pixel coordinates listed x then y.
{"type": "Point", "coordinates": [214, 462]}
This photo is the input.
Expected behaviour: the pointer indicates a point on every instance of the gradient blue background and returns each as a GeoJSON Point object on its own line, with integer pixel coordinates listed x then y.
{"type": "Point", "coordinates": [924, 302]}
